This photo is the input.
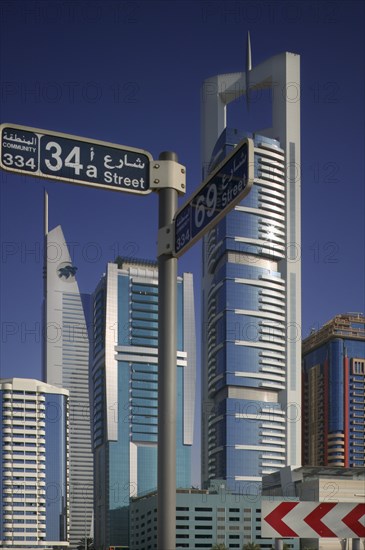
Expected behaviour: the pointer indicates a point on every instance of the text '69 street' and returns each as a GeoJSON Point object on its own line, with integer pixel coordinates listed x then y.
{"type": "Point", "coordinates": [230, 182]}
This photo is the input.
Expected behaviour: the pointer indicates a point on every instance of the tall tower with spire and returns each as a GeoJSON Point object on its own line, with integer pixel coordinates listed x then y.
{"type": "Point", "coordinates": [66, 365]}
{"type": "Point", "coordinates": [251, 351]}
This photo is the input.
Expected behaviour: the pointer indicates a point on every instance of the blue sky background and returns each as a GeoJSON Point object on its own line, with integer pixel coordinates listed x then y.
{"type": "Point", "coordinates": [131, 73]}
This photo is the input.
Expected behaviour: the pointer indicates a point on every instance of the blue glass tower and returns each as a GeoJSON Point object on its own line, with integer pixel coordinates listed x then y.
{"type": "Point", "coordinates": [251, 352]}
{"type": "Point", "coordinates": [244, 304]}
{"type": "Point", "coordinates": [124, 379]}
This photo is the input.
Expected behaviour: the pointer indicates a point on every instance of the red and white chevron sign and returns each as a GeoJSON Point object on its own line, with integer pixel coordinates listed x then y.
{"type": "Point", "coordinates": [312, 519]}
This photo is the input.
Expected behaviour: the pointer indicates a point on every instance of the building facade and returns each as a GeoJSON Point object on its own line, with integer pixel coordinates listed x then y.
{"type": "Point", "coordinates": [334, 393]}
{"type": "Point", "coordinates": [203, 518]}
{"type": "Point", "coordinates": [66, 365]}
{"type": "Point", "coordinates": [124, 379]}
{"type": "Point", "coordinates": [251, 358]}
{"type": "Point", "coordinates": [34, 492]}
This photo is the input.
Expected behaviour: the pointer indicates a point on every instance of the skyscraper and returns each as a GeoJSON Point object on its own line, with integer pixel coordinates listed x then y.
{"type": "Point", "coordinates": [34, 488]}
{"type": "Point", "coordinates": [125, 391]}
{"type": "Point", "coordinates": [334, 393]}
{"type": "Point", "coordinates": [251, 383]}
{"type": "Point", "coordinates": [66, 365]}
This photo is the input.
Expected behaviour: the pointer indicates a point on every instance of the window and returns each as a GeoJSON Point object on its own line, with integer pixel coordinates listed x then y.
{"type": "Point", "coordinates": [358, 366]}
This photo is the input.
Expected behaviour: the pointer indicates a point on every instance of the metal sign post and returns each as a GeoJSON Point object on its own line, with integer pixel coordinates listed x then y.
{"type": "Point", "coordinates": [167, 349]}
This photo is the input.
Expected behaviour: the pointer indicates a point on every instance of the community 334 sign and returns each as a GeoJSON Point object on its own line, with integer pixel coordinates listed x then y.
{"type": "Point", "coordinates": [73, 159]}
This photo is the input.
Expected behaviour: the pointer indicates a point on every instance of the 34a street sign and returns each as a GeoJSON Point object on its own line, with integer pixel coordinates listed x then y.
{"type": "Point", "coordinates": [73, 159]}
{"type": "Point", "coordinates": [230, 182]}
{"type": "Point", "coordinates": [312, 519]}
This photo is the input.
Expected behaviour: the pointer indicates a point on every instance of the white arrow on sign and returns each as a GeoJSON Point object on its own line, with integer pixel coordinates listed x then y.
{"type": "Point", "coordinates": [312, 519]}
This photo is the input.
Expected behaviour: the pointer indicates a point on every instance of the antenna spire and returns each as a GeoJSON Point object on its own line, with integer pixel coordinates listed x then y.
{"type": "Point", "coordinates": [248, 69]}
{"type": "Point", "coordinates": [45, 213]}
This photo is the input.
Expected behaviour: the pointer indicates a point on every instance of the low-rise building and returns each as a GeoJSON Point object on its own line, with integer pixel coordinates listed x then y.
{"type": "Point", "coordinates": [203, 518]}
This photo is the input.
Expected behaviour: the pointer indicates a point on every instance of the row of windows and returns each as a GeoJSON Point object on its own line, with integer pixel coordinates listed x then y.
{"type": "Point", "coordinates": [140, 288]}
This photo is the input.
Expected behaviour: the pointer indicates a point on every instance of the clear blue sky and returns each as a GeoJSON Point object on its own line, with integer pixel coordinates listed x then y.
{"type": "Point", "coordinates": [131, 73]}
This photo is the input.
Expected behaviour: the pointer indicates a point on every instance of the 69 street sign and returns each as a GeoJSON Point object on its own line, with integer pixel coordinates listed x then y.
{"type": "Point", "coordinates": [54, 155]}
{"type": "Point", "coordinates": [230, 182]}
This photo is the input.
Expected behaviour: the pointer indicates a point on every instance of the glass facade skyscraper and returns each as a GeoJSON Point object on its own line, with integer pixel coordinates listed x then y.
{"type": "Point", "coordinates": [34, 490]}
{"type": "Point", "coordinates": [124, 379]}
{"type": "Point", "coordinates": [334, 393]}
{"type": "Point", "coordinates": [66, 365]}
{"type": "Point", "coordinates": [251, 356]}
{"type": "Point", "coordinates": [244, 295]}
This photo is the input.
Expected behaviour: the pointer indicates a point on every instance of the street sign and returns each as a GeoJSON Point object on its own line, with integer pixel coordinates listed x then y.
{"type": "Point", "coordinates": [54, 155]}
{"type": "Point", "coordinates": [312, 519]}
{"type": "Point", "coordinates": [230, 182]}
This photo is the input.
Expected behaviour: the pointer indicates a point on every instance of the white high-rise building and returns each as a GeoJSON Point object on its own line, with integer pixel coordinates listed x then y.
{"type": "Point", "coordinates": [34, 484]}
{"type": "Point", "coordinates": [66, 365]}
{"type": "Point", "coordinates": [251, 363]}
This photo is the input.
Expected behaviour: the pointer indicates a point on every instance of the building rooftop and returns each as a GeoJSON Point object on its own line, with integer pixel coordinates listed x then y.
{"type": "Point", "coordinates": [346, 325]}
{"type": "Point", "coordinates": [30, 384]}
{"type": "Point", "coordinates": [287, 476]}
{"type": "Point", "coordinates": [123, 262]}
{"type": "Point", "coordinates": [216, 487]}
